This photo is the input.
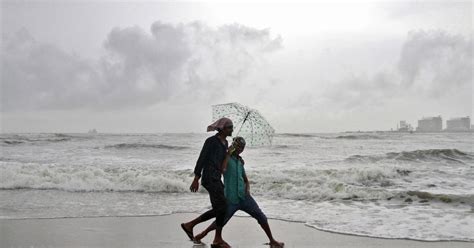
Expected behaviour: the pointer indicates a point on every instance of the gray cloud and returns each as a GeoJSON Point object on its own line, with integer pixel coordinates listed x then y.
{"type": "Point", "coordinates": [362, 91]}
{"type": "Point", "coordinates": [37, 75]}
{"type": "Point", "coordinates": [400, 9]}
{"type": "Point", "coordinates": [432, 64]}
{"type": "Point", "coordinates": [138, 68]}
{"type": "Point", "coordinates": [438, 59]}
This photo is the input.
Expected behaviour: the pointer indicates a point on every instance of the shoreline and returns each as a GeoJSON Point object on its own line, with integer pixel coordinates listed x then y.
{"type": "Point", "coordinates": [235, 216]}
{"type": "Point", "coordinates": [165, 231]}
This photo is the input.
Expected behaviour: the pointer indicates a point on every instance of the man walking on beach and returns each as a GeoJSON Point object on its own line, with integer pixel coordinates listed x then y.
{"type": "Point", "coordinates": [208, 165]}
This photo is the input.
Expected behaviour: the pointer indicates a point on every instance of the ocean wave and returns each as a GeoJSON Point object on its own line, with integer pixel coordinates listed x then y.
{"type": "Point", "coordinates": [423, 196]}
{"type": "Point", "coordinates": [89, 178]}
{"type": "Point", "coordinates": [12, 142]}
{"type": "Point", "coordinates": [314, 185]}
{"type": "Point", "coordinates": [302, 135]}
{"type": "Point", "coordinates": [144, 145]}
{"type": "Point", "coordinates": [350, 136]}
{"type": "Point", "coordinates": [307, 184]}
{"type": "Point", "coordinates": [17, 139]}
{"type": "Point", "coordinates": [63, 135]}
{"type": "Point", "coordinates": [329, 184]}
{"type": "Point", "coordinates": [281, 146]}
{"type": "Point", "coordinates": [424, 222]}
{"type": "Point", "coordinates": [358, 137]}
{"type": "Point", "coordinates": [23, 141]}
{"type": "Point", "coordinates": [429, 155]}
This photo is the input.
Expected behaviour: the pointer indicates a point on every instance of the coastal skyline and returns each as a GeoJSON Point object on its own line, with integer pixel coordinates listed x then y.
{"type": "Point", "coordinates": [142, 67]}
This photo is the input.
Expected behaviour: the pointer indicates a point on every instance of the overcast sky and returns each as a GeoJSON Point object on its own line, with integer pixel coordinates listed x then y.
{"type": "Point", "coordinates": [144, 66]}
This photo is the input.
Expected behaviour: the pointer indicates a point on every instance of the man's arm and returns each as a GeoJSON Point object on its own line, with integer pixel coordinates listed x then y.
{"type": "Point", "coordinates": [224, 163]}
{"type": "Point", "coordinates": [203, 156]}
{"type": "Point", "coordinates": [226, 159]}
{"type": "Point", "coordinates": [199, 165]}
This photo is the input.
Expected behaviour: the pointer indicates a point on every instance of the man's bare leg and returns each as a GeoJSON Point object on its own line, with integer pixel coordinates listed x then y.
{"type": "Point", "coordinates": [218, 238]}
{"type": "Point", "coordinates": [190, 225]}
{"type": "Point", "coordinates": [203, 234]}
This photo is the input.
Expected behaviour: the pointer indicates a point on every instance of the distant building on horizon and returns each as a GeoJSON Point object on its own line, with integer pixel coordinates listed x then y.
{"type": "Point", "coordinates": [458, 124]}
{"type": "Point", "coordinates": [430, 124]}
{"type": "Point", "coordinates": [404, 127]}
{"type": "Point", "coordinates": [92, 131]}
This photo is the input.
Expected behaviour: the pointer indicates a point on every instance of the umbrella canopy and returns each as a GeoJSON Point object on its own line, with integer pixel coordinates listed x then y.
{"type": "Point", "coordinates": [251, 125]}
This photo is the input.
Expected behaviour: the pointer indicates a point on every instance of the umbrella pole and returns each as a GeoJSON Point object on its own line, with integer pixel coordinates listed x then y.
{"type": "Point", "coordinates": [246, 116]}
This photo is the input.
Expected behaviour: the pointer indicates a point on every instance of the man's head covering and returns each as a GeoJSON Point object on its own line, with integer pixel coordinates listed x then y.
{"type": "Point", "coordinates": [219, 124]}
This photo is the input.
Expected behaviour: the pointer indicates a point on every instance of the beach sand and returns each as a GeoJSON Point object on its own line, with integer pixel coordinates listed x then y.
{"type": "Point", "coordinates": [165, 231]}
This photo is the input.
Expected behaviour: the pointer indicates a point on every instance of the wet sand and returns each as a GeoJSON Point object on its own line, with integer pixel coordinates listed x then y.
{"type": "Point", "coordinates": [165, 231]}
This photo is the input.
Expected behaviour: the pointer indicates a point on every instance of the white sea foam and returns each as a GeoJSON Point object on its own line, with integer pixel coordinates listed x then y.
{"type": "Point", "coordinates": [89, 178]}
{"type": "Point", "coordinates": [379, 185]}
{"type": "Point", "coordinates": [301, 184]}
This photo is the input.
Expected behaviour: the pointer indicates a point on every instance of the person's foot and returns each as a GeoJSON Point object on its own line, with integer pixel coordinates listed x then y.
{"type": "Point", "coordinates": [276, 244]}
{"type": "Point", "coordinates": [197, 238]}
{"type": "Point", "coordinates": [198, 242]}
{"type": "Point", "coordinates": [220, 244]}
{"type": "Point", "coordinates": [188, 230]}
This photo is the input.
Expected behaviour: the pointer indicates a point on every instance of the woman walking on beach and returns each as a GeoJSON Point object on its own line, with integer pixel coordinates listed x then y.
{"type": "Point", "coordinates": [237, 193]}
{"type": "Point", "coordinates": [209, 166]}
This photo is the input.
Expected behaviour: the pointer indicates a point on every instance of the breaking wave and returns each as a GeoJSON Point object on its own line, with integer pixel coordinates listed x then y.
{"type": "Point", "coordinates": [302, 135]}
{"type": "Point", "coordinates": [423, 196]}
{"type": "Point", "coordinates": [349, 137]}
{"type": "Point", "coordinates": [144, 145]}
{"type": "Point", "coordinates": [429, 155]}
{"type": "Point", "coordinates": [312, 185]}
{"type": "Point", "coordinates": [309, 185]}
{"type": "Point", "coordinates": [328, 184]}
{"type": "Point", "coordinates": [12, 142]}
{"type": "Point", "coordinates": [91, 178]}
{"type": "Point", "coordinates": [358, 137]}
{"type": "Point", "coordinates": [17, 139]}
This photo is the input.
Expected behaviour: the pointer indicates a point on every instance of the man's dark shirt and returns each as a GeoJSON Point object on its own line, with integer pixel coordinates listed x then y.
{"type": "Point", "coordinates": [210, 160]}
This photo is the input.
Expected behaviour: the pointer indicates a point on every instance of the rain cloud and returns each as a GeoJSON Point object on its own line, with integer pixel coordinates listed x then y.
{"type": "Point", "coordinates": [138, 67]}
{"type": "Point", "coordinates": [432, 64]}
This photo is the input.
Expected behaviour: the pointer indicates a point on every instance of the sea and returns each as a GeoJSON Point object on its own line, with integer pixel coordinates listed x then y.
{"type": "Point", "coordinates": [417, 186]}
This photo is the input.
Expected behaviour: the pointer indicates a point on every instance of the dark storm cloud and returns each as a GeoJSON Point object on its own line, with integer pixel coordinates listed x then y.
{"type": "Point", "coordinates": [139, 67]}
{"type": "Point", "coordinates": [38, 75]}
{"type": "Point", "coordinates": [432, 64]}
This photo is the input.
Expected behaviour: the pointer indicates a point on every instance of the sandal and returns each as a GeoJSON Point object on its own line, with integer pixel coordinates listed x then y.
{"type": "Point", "coordinates": [189, 233]}
{"type": "Point", "coordinates": [220, 245]}
{"type": "Point", "coordinates": [279, 245]}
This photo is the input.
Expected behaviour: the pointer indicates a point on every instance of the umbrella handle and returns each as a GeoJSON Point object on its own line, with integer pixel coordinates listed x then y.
{"type": "Point", "coordinates": [246, 116]}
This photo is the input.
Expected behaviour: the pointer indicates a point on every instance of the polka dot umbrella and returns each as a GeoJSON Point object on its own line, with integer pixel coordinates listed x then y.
{"type": "Point", "coordinates": [251, 125]}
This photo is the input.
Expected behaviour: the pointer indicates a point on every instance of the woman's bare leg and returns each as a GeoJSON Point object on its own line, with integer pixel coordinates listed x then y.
{"type": "Point", "coordinates": [273, 242]}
